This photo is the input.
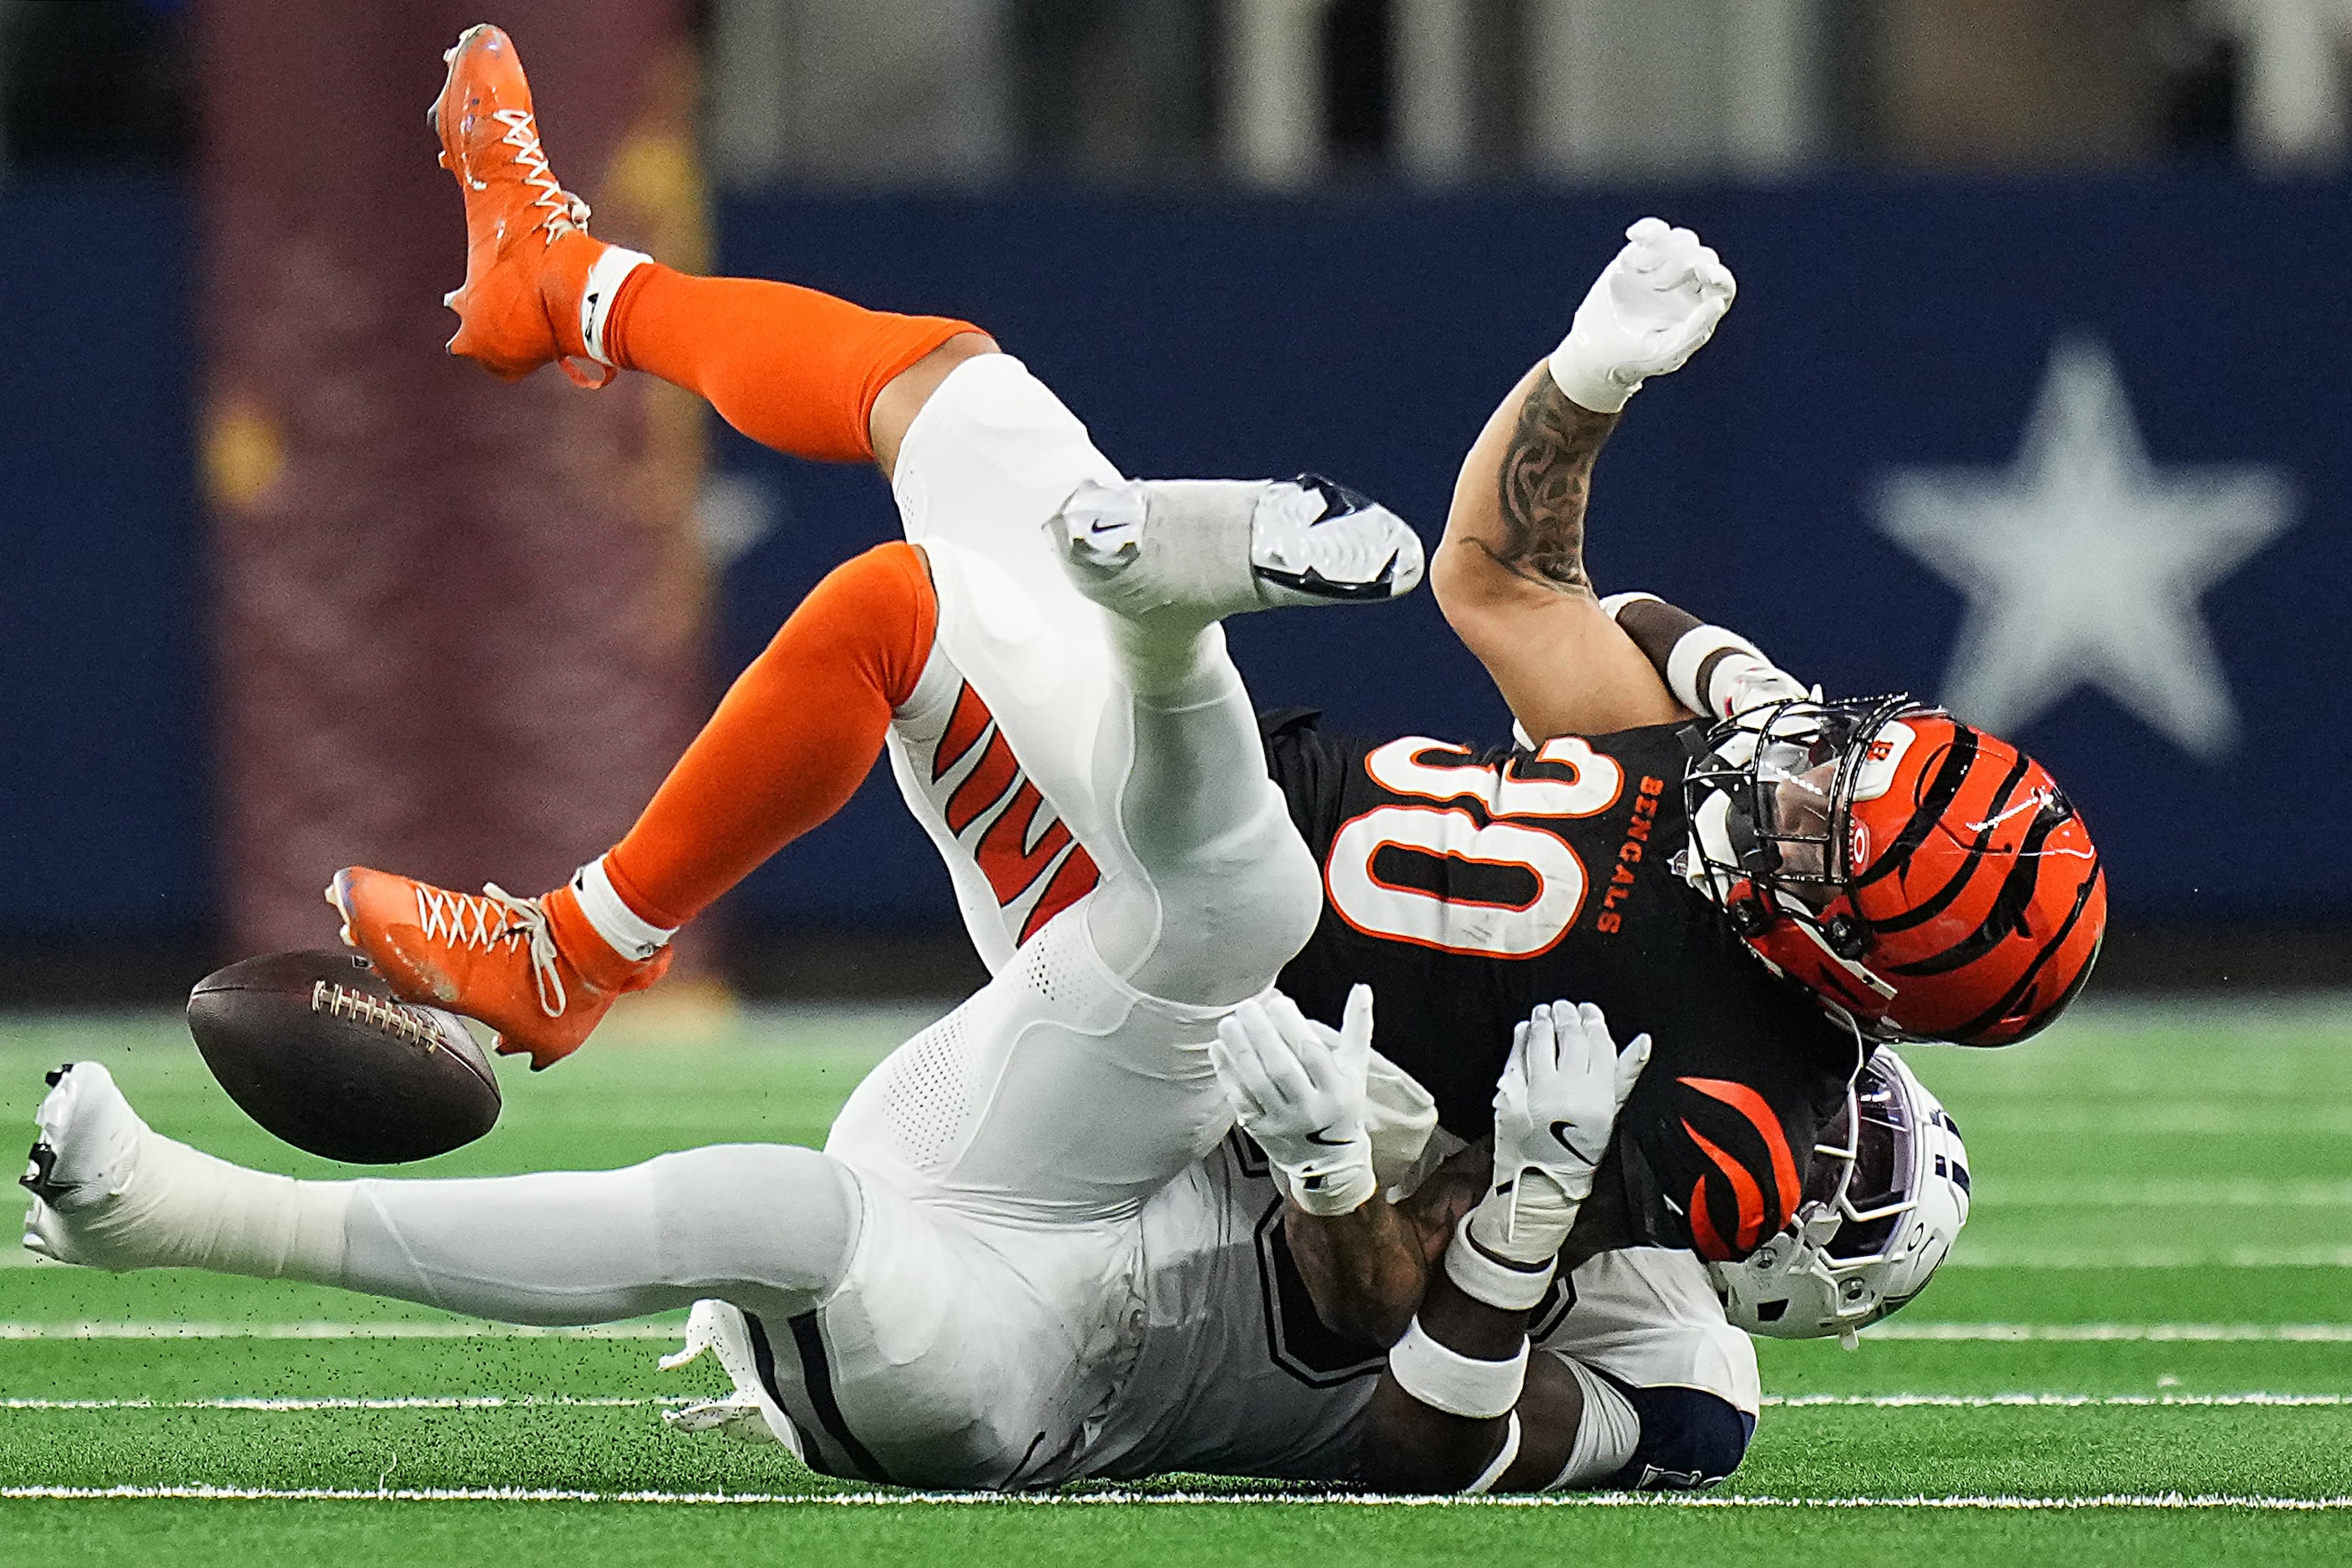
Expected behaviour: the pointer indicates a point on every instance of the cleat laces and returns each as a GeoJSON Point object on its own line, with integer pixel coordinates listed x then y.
{"type": "Point", "coordinates": [498, 916]}
{"type": "Point", "coordinates": [564, 210]}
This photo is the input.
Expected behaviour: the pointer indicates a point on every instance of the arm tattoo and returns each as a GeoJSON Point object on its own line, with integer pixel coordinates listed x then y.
{"type": "Point", "coordinates": [1547, 471]}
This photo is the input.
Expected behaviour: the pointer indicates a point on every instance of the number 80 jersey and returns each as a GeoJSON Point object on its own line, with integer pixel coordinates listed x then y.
{"type": "Point", "coordinates": [1466, 889]}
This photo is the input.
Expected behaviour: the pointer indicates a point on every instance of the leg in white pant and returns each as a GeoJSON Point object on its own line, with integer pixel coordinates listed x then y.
{"type": "Point", "coordinates": [769, 1228]}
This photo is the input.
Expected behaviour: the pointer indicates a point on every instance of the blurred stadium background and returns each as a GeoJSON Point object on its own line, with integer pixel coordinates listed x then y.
{"type": "Point", "coordinates": [285, 588]}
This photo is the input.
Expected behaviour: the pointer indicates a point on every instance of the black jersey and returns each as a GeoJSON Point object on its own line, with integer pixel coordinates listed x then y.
{"type": "Point", "coordinates": [1467, 889]}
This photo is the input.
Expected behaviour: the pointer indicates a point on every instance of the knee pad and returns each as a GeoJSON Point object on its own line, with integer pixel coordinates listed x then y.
{"type": "Point", "coordinates": [761, 1213]}
{"type": "Point", "coordinates": [1689, 1439]}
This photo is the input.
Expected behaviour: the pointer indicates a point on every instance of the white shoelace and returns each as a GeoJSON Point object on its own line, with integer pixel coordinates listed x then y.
{"type": "Point", "coordinates": [565, 211]}
{"type": "Point", "coordinates": [495, 916]}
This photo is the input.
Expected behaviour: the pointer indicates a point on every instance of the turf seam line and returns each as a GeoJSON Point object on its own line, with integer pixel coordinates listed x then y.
{"type": "Point", "coordinates": [2001, 1502]}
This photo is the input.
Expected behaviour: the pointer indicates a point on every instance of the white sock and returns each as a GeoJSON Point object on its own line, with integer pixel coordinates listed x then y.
{"type": "Point", "coordinates": [181, 1209]}
{"type": "Point", "coordinates": [624, 929]}
{"type": "Point", "coordinates": [606, 274]}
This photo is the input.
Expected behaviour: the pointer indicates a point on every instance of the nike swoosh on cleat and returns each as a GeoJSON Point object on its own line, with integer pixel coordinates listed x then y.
{"type": "Point", "coordinates": [40, 1168]}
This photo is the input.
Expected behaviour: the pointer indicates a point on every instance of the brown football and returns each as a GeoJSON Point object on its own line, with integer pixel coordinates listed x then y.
{"type": "Point", "coordinates": [315, 1047]}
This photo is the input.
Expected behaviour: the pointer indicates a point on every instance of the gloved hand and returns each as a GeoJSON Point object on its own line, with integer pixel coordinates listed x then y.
{"type": "Point", "coordinates": [1648, 311]}
{"type": "Point", "coordinates": [1554, 1110]}
{"type": "Point", "coordinates": [1297, 1087]}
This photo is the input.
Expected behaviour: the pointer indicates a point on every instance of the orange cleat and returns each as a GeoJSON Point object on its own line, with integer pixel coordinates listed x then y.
{"type": "Point", "coordinates": [532, 969]}
{"type": "Point", "coordinates": [527, 246]}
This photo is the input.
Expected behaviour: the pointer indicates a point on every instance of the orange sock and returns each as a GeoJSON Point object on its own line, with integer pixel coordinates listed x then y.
{"type": "Point", "coordinates": [789, 367]}
{"type": "Point", "coordinates": [790, 742]}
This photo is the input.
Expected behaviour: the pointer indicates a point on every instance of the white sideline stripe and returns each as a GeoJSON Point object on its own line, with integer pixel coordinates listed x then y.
{"type": "Point", "coordinates": [1285, 1499]}
{"type": "Point", "coordinates": [1787, 1402]}
{"type": "Point", "coordinates": [2286, 1334]}
{"type": "Point", "coordinates": [2163, 1192]}
{"type": "Point", "coordinates": [1993, 1255]}
{"type": "Point", "coordinates": [2188, 1333]}
{"type": "Point", "coordinates": [323, 1330]}
{"type": "Point", "coordinates": [2066, 1400]}
{"type": "Point", "coordinates": [411, 1402]}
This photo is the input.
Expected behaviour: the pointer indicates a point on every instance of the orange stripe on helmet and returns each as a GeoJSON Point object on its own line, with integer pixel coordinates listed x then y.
{"type": "Point", "coordinates": [1752, 1105]}
{"type": "Point", "coordinates": [1749, 1196]}
{"type": "Point", "coordinates": [1703, 1235]}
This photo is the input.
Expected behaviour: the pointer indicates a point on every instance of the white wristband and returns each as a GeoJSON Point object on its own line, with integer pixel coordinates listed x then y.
{"type": "Point", "coordinates": [1503, 1461]}
{"type": "Point", "coordinates": [1482, 1278]}
{"type": "Point", "coordinates": [1445, 1379]}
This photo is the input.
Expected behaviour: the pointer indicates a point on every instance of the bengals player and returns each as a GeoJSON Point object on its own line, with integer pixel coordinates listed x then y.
{"type": "Point", "coordinates": [1464, 886]}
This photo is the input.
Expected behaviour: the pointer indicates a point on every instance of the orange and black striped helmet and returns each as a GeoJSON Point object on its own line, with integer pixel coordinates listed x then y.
{"type": "Point", "coordinates": [1929, 880]}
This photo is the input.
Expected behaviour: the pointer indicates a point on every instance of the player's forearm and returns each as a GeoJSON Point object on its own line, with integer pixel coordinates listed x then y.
{"type": "Point", "coordinates": [1516, 527]}
{"type": "Point", "coordinates": [1510, 574]}
{"type": "Point", "coordinates": [1365, 1270]}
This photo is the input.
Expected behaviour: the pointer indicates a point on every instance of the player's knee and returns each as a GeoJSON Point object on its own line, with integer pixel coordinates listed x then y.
{"type": "Point", "coordinates": [760, 1214]}
{"type": "Point", "coordinates": [1236, 918]}
{"type": "Point", "coordinates": [1689, 1439]}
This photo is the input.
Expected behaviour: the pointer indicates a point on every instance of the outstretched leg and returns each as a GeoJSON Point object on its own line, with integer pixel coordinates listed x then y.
{"type": "Point", "coordinates": [771, 1227]}
{"type": "Point", "coordinates": [880, 1340]}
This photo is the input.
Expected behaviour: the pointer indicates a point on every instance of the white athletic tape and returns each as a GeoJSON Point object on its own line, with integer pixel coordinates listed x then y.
{"type": "Point", "coordinates": [1444, 1379]}
{"type": "Point", "coordinates": [1996, 1502]}
{"type": "Point", "coordinates": [1497, 1284]}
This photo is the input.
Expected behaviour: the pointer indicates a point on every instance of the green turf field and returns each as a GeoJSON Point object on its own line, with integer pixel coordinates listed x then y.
{"type": "Point", "coordinates": [2141, 1355]}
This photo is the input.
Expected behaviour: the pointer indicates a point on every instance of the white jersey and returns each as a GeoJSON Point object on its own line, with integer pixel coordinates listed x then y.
{"type": "Point", "coordinates": [1237, 1374]}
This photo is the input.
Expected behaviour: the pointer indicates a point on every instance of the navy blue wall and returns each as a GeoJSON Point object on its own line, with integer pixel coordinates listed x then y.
{"type": "Point", "coordinates": [102, 760]}
{"type": "Point", "coordinates": [1880, 326]}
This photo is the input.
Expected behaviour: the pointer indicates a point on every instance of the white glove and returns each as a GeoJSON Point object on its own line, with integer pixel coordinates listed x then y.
{"type": "Point", "coordinates": [1297, 1087]}
{"type": "Point", "coordinates": [1554, 1110]}
{"type": "Point", "coordinates": [1647, 312]}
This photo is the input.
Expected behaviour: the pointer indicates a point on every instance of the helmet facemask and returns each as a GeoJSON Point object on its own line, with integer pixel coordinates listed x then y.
{"type": "Point", "coordinates": [1884, 1198]}
{"type": "Point", "coordinates": [1774, 844]}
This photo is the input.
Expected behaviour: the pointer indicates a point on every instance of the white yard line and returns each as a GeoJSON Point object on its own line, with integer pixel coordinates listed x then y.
{"type": "Point", "coordinates": [1995, 1255]}
{"type": "Point", "coordinates": [2284, 1334]}
{"type": "Point", "coordinates": [2161, 1191]}
{"type": "Point", "coordinates": [2162, 1500]}
{"type": "Point", "coordinates": [413, 1402]}
{"type": "Point", "coordinates": [2065, 1401]}
{"type": "Point", "coordinates": [1789, 1402]}
{"type": "Point", "coordinates": [326, 1330]}
{"type": "Point", "coordinates": [2186, 1333]}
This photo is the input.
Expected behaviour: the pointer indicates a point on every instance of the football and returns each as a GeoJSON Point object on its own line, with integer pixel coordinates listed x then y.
{"type": "Point", "coordinates": [315, 1048]}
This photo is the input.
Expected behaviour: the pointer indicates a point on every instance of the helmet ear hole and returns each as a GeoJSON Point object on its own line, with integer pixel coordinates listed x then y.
{"type": "Point", "coordinates": [1846, 936]}
{"type": "Point", "coordinates": [1772, 1311]}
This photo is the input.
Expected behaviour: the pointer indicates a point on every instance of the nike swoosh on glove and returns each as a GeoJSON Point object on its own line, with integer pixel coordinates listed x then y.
{"type": "Point", "coordinates": [1298, 1087]}
{"type": "Point", "coordinates": [1555, 1109]}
